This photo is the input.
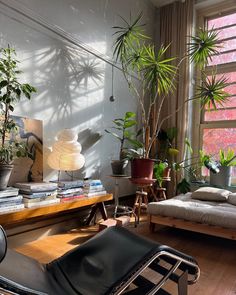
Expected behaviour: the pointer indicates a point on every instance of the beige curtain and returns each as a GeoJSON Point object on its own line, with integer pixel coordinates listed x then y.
{"type": "Point", "coordinates": [176, 22]}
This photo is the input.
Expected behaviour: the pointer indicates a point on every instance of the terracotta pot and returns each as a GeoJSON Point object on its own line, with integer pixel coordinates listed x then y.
{"type": "Point", "coordinates": [5, 173]}
{"type": "Point", "coordinates": [142, 168]}
{"type": "Point", "coordinates": [166, 173]}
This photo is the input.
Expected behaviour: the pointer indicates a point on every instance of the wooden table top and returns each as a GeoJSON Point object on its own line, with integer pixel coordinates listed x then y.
{"type": "Point", "coordinates": [17, 216]}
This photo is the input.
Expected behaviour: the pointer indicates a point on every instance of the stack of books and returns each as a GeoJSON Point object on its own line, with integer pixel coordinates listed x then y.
{"type": "Point", "coordinates": [10, 200]}
{"type": "Point", "coordinates": [38, 194]}
{"type": "Point", "coordinates": [94, 188]}
{"type": "Point", "coordinates": [70, 190]}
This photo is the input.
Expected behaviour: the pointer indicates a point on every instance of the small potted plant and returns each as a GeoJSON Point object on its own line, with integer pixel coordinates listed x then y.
{"type": "Point", "coordinates": [222, 174]}
{"type": "Point", "coordinates": [159, 172]}
{"type": "Point", "coordinates": [11, 91]}
{"type": "Point", "coordinates": [123, 134]}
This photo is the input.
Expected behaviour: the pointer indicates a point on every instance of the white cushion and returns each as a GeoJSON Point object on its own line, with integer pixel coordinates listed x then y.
{"type": "Point", "coordinates": [232, 199]}
{"type": "Point", "coordinates": [211, 194]}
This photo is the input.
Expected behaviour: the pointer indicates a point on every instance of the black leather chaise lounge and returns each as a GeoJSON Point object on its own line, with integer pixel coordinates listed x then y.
{"type": "Point", "coordinates": [112, 262]}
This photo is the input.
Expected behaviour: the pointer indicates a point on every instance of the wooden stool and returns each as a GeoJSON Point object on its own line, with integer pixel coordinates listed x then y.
{"type": "Point", "coordinates": [160, 194]}
{"type": "Point", "coordinates": [141, 201]}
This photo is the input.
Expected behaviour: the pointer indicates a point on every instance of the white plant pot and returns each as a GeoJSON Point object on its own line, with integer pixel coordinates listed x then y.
{"type": "Point", "coordinates": [223, 178]}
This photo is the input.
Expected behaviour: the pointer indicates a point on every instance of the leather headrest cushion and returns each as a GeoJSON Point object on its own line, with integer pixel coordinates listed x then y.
{"type": "Point", "coordinates": [3, 244]}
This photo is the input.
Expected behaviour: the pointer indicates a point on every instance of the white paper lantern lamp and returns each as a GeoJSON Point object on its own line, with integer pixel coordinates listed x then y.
{"type": "Point", "coordinates": [66, 152]}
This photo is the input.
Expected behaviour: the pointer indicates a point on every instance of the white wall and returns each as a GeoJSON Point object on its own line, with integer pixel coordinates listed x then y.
{"type": "Point", "coordinates": [73, 85]}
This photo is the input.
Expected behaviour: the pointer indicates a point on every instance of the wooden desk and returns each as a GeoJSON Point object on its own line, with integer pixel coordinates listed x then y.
{"type": "Point", "coordinates": [9, 218]}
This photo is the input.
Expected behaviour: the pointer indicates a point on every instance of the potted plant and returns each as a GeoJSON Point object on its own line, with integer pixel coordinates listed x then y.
{"type": "Point", "coordinates": [156, 74]}
{"type": "Point", "coordinates": [159, 172]}
{"type": "Point", "coordinates": [123, 134]}
{"type": "Point", "coordinates": [221, 176]}
{"type": "Point", "coordinates": [11, 91]}
{"type": "Point", "coordinates": [220, 169]}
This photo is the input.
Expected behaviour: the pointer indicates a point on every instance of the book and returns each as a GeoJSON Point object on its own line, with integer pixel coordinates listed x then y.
{"type": "Point", "coordinates": [11, 208]}
{"type": "Point", "coordinates": [70, 195]}
{"type": "Point", "coordinates": [40, 199]}
{"type": "Point", "coordinates": [42, 203]}
{"type": "Point", "coordinates": [9, 192]}
{"type": "Point", "coordinates": [70, 191]}
{"type": "Point", "coordinates": [10, 199]}
{"type": "Point", "coordinates": [36, 186]}
{"type": "Point", "coordinates": [39, 194]}
{"type": "Point", "coordinates": [66, 184]}
{"type": "Point", "coordinates": [94, 188]}
{"type": "Point", "coordinates": [72, 198]}
{"type": "Point", "coordinates": [93, 194]}
{"type": "Point", "coordinates": [93, 182]}
{"type": "Point", "coordinates": [10, 203]}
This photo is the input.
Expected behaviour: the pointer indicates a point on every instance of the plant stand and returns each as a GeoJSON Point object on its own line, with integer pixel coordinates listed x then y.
{"type": "Point", "coordinates": [159, 193]}
{"type": "Point", "coordinates": [141, 199]}
{"type": "Point", "coordinates": [121, 210]}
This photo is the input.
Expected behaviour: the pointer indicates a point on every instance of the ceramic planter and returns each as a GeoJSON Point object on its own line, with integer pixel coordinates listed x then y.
{"type": "Point", "coordinates": [5, 173]}
{"type": "Point", "coordinates": [118, 167]}
{"type": "Point", "coordinates": [223, 178]}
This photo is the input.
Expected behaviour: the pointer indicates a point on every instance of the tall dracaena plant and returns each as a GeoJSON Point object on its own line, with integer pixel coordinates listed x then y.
{"type": "Point", "coordinates": [157, 73]}
{"type": "Point", "coordinates": [153, 70]}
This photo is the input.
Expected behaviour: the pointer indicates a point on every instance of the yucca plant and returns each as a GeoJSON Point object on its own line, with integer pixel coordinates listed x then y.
{"type": "Point", "coordinates": [156, 72]}
{"type": "Point", "coordinates": [211, 91]}
{"type": "Point", "coordinates": [203, 46]}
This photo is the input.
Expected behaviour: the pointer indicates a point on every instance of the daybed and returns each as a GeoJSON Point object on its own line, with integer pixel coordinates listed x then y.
{"type": "Point", "coordinates": [208, 210]}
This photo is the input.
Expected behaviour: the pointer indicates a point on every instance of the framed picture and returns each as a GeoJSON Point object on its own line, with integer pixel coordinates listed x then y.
{"type": "Point", "coordinates": [29, 168]}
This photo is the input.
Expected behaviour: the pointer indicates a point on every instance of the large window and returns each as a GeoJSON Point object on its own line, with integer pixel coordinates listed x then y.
{"type": "Point", "coordinates": [218, 127]}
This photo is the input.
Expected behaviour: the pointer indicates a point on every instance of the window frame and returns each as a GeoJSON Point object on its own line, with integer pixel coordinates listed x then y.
{"type": "Point", "coordinates": [223, 8]}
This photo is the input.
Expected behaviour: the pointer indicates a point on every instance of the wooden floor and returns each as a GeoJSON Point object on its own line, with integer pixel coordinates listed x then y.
{"type": "Point", "coordinates": [216, 256]}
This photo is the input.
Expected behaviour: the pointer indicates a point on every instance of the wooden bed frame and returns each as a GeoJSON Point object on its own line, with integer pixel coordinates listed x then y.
{"type": "Point", "coordinates": [227, 233]}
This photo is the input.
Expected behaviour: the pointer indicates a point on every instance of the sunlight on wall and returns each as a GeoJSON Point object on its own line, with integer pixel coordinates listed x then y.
{"type": "Point", "coordinates": [73, 86]}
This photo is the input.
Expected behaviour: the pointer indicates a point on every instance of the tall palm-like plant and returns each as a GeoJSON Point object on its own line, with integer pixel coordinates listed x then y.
{"type": "Point", "coordinates": [156, 72]}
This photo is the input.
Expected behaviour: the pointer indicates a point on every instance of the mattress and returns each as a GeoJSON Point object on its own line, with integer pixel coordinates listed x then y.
{"type": "Point", "coordinates": [184, 207]}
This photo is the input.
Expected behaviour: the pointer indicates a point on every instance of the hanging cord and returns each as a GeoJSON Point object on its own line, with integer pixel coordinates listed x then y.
{"type": "Point", "coordinates": [112, 98]}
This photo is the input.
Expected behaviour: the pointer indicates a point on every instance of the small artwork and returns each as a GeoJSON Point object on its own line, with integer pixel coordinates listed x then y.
{"type": "Point", "coordinates": [29, 168]}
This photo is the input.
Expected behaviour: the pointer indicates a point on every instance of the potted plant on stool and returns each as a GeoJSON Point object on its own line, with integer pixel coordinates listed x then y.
{"type": "Point", "coordinates": [151, 78]}
{"type": "Point", "coordinates": [123, 135]}
{"type": "Point", "coordinates": [11, 91]}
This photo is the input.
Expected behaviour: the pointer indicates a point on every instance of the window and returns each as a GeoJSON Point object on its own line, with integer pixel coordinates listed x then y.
{"type": "Point", "coordinates": [218, 127]}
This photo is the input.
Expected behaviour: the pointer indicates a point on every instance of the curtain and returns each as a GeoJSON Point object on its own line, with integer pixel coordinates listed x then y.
{"type": "Point", "coordinates": [176, 24]}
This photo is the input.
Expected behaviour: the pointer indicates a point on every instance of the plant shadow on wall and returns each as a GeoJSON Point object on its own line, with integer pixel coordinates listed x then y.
{"type": "Point", "coordinates": [157, 75]}
{"type": "Point", "coordinates": [71, 86]}
{"type": "Point", "coordinates": [74, 76]}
